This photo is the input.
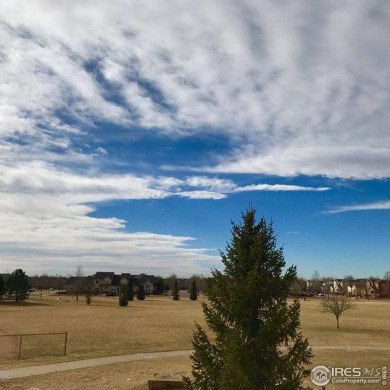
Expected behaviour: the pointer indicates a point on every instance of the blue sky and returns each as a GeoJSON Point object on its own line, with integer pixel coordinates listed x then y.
{"type": "Point", "coordinates": [131, 133]}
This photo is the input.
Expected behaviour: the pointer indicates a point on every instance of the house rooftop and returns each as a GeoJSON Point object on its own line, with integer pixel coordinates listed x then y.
{"type": "Point", "coordinates": [102, 275]}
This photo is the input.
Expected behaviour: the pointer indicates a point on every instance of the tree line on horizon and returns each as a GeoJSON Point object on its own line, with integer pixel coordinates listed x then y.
{"type": "Point", "coordinates": [18, 285]}
{"type": "Point", "coordinates": [45, 282]}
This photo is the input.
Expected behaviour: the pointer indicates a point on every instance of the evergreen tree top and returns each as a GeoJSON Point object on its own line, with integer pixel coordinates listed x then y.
{"type": "Point", "coordinates": [247, 309]}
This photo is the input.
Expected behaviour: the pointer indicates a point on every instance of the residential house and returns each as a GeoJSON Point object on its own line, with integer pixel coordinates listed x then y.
{"type": "Point", "coordinates": [103, 281]}
{"type": "Point", "coordinates": [337, 286]}
{"type": "Point", "coordinates": [149, 282]}
{"type": "Point", "coordinates": [118, 281]}
{"type": "Point", "coordinates": [352, 289]}
{"type": "Point", "coordinates": [371, 288]}
{"type": "Point", "coordinates": [334, 286]}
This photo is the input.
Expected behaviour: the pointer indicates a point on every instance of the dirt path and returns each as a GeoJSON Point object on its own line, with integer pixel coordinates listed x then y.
{"type": "Point", "coordinates": [57, 367]}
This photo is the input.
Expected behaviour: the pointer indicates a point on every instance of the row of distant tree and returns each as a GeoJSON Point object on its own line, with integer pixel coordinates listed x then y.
{"type": "Point", "coordinates": [58, 282]}
{"type": "Point", "coordinates": [126, 293]}
{"type": "Point", "coordinates": [46, 282]}
{"type": "Point", "coordinates": [18, 286]}
{"type": "Point", "coordinates": [10, 285]}
{"type": "Point", "coordinates": [15, 286]}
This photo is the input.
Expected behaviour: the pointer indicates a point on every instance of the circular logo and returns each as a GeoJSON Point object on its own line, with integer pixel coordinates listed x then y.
{"type": "Point", "coordinates": [320, 375]}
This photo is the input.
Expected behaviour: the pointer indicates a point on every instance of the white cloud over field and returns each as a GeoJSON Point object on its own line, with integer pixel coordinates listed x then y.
{"type": "Point", "coordinates": [299, 88]}
{"type": "Point", "coordinates": [305, 84]}
{"type": "Point", "coordinates": [45, 214]}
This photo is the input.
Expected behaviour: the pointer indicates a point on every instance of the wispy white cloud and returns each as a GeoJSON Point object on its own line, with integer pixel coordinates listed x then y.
{"type": "Point", "coordinates": [47, 214]}
{"type": "Point", "coordinates": [384, 205]}
{"type": "Point", "coordinates": [278, 187]}
{"type": "Point", "coordinates": [300, 87]}
{"type": "Point", "coordinates": [202, 195]}
{"type": "Point", "coordinates": [211, 183]}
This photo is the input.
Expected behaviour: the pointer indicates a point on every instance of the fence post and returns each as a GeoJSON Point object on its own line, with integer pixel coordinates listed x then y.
{"type": "Point", "coordinates": [66, 342]}
{"type": "Point", "coordinates": [20, 345]}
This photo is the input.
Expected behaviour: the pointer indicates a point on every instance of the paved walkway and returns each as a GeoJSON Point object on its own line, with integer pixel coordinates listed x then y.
{"type": "Point", "coordinates": [23, 372]}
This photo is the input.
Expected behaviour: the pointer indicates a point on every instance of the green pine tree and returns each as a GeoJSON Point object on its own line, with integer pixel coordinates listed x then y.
{"type": "Point", "coordinates": [159, 286]}
{"type": "Point", "coordinates": [175, 291]}
{"type": "Point", "coordinates": [130, 291]}
{"type": "Point", "coordinates": [258, 344]}
{"type": "Point", "coordinates": [17, 285]}
{"type": "Point", "coordinates": [141, 292]}
{"type": "Point", "coordinates": [2, 286]}
{"type": "Point", "coordinates": [193, 290]}
{"type": "Point", "coordinates": [123, 301]}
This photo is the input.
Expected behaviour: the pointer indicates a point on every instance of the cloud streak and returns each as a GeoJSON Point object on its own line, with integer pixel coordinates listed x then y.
{"type": "Point", "coordinates": [384, 205]}
{"type": "Point", "coordinates": [46, 213]}
{"type": "Point", "coordinates": [279, 187]}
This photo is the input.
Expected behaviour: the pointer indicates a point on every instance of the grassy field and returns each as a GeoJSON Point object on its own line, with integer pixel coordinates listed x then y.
{"type": "Point", "coordinates": [102, 329]}
{"type": "Point", "coordinates": [160, 324]}
{"type": "Point", "coordinates": [134, 375]}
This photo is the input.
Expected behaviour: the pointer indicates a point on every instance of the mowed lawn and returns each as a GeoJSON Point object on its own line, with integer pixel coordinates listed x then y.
{"type": "Point", "coordinates": [160, 324]}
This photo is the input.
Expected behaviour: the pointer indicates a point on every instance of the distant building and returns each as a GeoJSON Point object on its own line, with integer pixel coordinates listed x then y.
{"type": "Point", "coordinates": [148, 282]}
{"type": "Point", "coordinates": [103, 282]}
{"type": "Point", "coordinates": [109, 282]}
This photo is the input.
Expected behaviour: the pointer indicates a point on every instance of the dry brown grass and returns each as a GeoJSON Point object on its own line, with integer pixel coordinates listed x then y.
{"type": "Point", "coordinates": [367, 324]}
{"type": "Point", "coordinates": [104, 328]}
{"type": "Point", "coordinates": [134, 375]}
{"type": "Point", "coordinates": [160, 324]}
{"type": "Point", "coordinates": [129, 376]}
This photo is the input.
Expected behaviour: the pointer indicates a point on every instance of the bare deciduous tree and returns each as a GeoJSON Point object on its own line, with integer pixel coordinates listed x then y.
{"type": "Point", "coordinates": [170, 281]}
{"type": "Point", "coordinates": [349, 281]}
{"type": "Point", "coordinates": [79, 278]}
{"type": "Point", "coordinates": [316, 276]}
{"type": "Point", "coordinates": [336, 305]}
{"type": "Point", "coordinates": [315, 285]}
